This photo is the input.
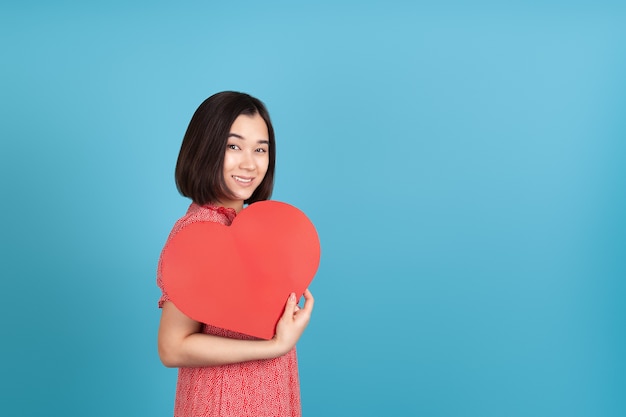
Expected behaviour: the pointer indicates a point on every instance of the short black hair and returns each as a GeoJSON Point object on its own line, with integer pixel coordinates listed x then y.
{"type": "Point", "coordinates": [200, 166]}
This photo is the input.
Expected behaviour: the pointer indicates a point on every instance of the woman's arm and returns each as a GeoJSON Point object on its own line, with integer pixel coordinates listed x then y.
{"type": "Point", "coordinates": [182, 344]}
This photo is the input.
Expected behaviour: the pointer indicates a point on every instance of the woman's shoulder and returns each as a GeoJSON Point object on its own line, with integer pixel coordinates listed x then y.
{"type": "Point", "coordinates": [205, 213]}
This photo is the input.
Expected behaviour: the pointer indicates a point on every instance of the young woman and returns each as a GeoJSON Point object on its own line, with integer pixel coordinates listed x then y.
{"type": "Point", "coordinates": [227, 160]}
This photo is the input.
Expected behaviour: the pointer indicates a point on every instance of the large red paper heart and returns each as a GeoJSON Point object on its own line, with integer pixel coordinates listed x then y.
{"type": "Point", "coordinates": [239, 277]}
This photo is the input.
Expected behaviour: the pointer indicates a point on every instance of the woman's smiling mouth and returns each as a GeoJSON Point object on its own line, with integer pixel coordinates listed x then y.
{"type": "Point", "coordinates": [243, 180]}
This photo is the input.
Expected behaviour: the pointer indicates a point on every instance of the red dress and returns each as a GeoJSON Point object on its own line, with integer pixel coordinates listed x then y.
{"type": "Point", "coordinates": [261, 388]}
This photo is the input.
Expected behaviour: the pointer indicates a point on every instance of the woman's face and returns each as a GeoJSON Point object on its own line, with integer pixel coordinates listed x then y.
{"type": "Point", "coordinates": [246, 159]}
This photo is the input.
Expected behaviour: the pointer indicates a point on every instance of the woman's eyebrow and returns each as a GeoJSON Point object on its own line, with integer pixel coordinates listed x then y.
{"type": "Point", "coordinates": [238, 136]}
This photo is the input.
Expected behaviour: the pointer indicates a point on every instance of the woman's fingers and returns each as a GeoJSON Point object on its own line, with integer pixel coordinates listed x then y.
{"type": "Point", "coordinates": [308, 300]}
{"type": "Point", "coordinates": [291, 305]}
{"type": "Point", "coordinates": [292, 308]}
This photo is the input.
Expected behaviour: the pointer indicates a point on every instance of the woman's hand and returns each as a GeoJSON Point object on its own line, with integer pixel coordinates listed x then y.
{"type": "Point", "coordinates": [293, 322]}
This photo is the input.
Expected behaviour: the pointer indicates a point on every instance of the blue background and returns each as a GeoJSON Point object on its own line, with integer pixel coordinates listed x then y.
{"type": "Point", "coordinates": [463, 163]}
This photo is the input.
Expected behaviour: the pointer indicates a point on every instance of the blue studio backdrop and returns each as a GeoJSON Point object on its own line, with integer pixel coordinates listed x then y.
{"type": "Point", "coordinates": [464, 164]}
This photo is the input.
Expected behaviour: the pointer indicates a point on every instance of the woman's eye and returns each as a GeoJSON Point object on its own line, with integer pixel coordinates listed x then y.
{"type": "Point", "coordinates": [233, 147]}
{"type": "Point", "coordinates": [261, 150]}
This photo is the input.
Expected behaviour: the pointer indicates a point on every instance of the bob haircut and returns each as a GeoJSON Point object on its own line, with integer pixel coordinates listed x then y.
{"type": "Point", "coordinates": [200, 166]}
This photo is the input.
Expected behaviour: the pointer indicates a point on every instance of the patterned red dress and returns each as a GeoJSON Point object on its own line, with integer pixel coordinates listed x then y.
{"type": "Point", "coordinates": [260, 388]}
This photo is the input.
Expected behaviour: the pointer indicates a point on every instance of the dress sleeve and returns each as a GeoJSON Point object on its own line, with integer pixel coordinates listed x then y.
{"type": "Point", "coordinates": [180, 223]}
{"type": "Point", "coordinates": [164, 297]}
{"type": "Point", "coordinates": [159, 275]}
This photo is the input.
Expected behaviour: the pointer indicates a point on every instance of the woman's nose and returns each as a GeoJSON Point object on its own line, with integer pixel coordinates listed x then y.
{"type": "Point", "coordinates": [246, 161]}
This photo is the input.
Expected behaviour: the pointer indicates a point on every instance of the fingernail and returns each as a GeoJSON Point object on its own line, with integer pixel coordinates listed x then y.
{"type": "Point", "coordinates": [292, 297]}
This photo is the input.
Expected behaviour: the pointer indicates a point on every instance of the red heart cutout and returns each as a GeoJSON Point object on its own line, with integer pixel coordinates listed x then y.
{"type": "Point", "coordinates": [238, 277]}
